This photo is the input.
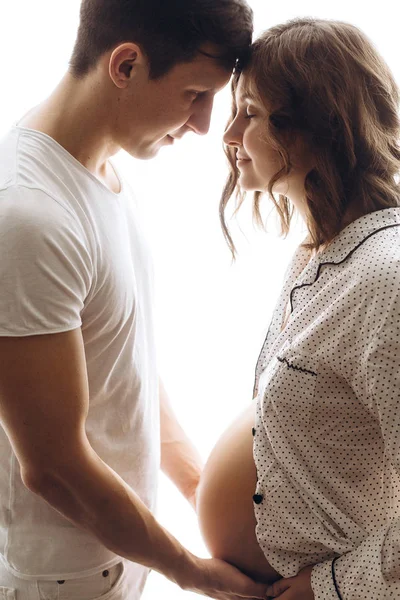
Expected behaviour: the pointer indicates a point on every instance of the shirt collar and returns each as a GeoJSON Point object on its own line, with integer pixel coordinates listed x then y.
{"type": "Point", "coordinates": [348, 240]}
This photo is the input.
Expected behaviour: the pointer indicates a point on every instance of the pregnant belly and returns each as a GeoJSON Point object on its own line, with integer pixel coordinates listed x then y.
{"type": "Point", "coordinates": [225, 501]}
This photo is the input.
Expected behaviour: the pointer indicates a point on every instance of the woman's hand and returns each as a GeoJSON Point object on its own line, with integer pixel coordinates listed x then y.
{"type": "Point", "coordinates": [293, 588]}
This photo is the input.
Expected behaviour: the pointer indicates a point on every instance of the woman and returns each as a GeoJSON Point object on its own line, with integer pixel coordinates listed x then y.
{"type": "Point", "coordinates": [307, 480]}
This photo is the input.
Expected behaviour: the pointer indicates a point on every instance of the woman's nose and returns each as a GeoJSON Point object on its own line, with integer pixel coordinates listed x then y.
{"type": "Point", "coordinates": [232, 136]}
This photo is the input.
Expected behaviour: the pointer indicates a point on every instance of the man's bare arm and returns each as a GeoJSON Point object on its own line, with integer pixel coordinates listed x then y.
{"type": "Point", "coordinates": [180, 460]}
{"type": "Point", "coordinates": [44, 403]}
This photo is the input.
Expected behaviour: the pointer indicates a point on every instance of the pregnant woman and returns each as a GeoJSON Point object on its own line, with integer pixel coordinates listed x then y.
{"type": "Point", "coordinates": [303, 489]}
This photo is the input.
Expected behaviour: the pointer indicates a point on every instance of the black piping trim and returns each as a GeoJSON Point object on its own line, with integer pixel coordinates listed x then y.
{"type": "Point", "coordinates": [334, 578]}
{"type": "Point", "coordinates": [258, 360]}
{"type": "Point", "coordinates": [292, 366]}
{"type": "Point", "coordinates": [337, 263]}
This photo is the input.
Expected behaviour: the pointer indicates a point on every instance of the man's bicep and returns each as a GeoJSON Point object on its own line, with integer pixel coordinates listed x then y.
{"type": "Point", "coordinates": [46, 267]}
{"type": "Point", "coordinates": [43, 399]}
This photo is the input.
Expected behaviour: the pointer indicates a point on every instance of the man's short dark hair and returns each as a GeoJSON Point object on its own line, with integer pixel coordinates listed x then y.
{"type": "Point", "coordinates": [168, 31]}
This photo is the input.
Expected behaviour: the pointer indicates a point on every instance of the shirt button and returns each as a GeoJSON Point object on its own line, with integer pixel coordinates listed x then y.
{"type": "Point", "coordinates": [253, 431]}
{"type": "Point", "coordinates": [258, 498]}
{"type": "Point", "coordinates": [106, 573]}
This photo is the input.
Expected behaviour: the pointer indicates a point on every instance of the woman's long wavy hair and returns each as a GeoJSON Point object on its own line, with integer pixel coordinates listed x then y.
{"type": "Point", "coordinates": [326, 82]}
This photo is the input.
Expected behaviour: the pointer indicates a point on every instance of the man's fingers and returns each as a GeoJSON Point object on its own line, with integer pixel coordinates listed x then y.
{"type": "Point", "coordinates": [256, 591]}
{"type": "Point", "coordinates": [278, 587]}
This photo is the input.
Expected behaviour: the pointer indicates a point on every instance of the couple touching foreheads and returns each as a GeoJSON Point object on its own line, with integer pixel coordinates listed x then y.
{"type": "Point", "coordinates": [299, 498]}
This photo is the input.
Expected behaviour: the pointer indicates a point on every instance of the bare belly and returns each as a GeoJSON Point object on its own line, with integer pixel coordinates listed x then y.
{"type": "Point", "coordinates": [225, 501]}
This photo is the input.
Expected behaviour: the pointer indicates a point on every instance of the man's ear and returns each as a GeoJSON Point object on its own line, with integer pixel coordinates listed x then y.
{"type": "Point", "coordinates": [124, 61]}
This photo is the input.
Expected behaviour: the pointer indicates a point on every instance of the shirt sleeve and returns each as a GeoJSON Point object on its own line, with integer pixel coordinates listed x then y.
{"type": "Point", "coordinates": [45, 267]}
{"type": "Point", "coordinates": [372, 570]}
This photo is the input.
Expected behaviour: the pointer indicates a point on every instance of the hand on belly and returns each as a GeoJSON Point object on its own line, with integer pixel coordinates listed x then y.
{"type": "Point", "coordinates": [225, 501]}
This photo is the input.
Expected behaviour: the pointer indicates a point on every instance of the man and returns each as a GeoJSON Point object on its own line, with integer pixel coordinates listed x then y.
{"type": "Point", "coordinates": [80, 435]}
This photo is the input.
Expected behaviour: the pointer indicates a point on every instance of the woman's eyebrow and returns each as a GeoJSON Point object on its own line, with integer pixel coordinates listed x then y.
{"type": "Point", "coordinates": [247, 95]}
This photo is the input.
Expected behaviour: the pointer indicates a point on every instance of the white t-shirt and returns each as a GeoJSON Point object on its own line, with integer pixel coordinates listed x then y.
{"type": "Point", "coordinates": [72, 255]}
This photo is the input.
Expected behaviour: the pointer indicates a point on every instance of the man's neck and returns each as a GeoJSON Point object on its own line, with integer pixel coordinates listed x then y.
{"type": "Point", "coordinates": [74, 117]}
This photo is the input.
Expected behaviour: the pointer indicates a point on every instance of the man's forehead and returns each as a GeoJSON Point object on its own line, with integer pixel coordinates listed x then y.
{"type": "Point", "coordinates": [218, 53]}
{"type": "Point", "coordinates": [206, 72]}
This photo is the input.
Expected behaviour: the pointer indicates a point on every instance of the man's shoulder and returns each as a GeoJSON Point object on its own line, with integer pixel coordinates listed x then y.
{"type": "Point", "coordinates": [29, 214]}
{"type": "Point", "coordinates": [24, 160]}
{"type": "Point", "coordinates": [33, 159]}
{"type": "Point", "coordinates": [32, 178]}
{"type": "Point", "coordinates": [8, 158]}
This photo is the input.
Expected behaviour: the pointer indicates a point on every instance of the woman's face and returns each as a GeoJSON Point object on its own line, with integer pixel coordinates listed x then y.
{"type": "Point", "coordinates": [257, 159]}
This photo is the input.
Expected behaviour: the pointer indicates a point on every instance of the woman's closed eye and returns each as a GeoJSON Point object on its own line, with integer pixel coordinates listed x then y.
{"type": "Point", "coordinates": [249, 112]}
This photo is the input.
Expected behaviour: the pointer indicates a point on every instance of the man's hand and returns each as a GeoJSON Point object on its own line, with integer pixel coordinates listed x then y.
{"type": "Point", "coordinates": [192, 499]}
{"type": "Point", "coordinates": [293, 588]}
{"type": "Point", "coordinates": [217, 579]}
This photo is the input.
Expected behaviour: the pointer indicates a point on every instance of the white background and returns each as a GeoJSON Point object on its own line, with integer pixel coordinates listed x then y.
{"type": "Point", "coordinates": [212, 316]}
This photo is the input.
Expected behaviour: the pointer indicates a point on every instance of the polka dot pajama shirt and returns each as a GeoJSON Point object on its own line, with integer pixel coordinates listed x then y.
{"type": "Point", "coordinates": [327, 431]}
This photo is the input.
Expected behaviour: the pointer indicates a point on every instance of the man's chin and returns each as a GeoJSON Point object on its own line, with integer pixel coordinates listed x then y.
{"type": "Point", "coordinates": [145, 153]}
{"type": "Point", "coordinates": [150, 151]}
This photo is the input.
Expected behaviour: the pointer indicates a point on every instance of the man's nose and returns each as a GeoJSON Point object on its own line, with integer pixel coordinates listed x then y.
{"type": "Point", "coordinates": [200, 119]}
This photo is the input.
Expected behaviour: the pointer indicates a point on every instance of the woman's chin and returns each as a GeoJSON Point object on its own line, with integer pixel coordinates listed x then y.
{"type": "Point", "coordinates": [247, 184]}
